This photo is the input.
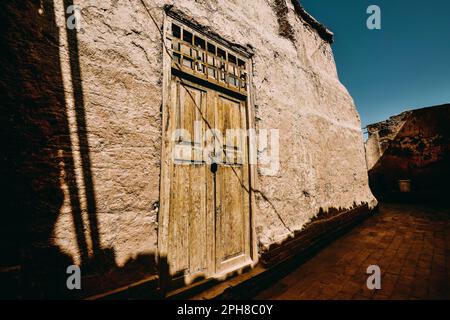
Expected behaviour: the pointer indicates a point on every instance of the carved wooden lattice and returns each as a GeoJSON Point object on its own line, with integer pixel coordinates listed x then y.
{"type": "Point", "coordinates": [197, 55]}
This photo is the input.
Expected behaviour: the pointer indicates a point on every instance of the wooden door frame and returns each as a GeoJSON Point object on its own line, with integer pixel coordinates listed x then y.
{"type": "Point", "coordinates": [166, 149]}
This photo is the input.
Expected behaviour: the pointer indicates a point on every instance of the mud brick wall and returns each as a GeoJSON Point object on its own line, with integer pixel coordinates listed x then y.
{"type": "Point", "coordinates": [415, 146]}
{"type": "Point", "coordinates": [81, 118]}
{"type": "Point", "coordinates": [81, 130]}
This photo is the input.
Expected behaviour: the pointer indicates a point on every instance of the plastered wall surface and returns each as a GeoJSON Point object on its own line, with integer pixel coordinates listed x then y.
{"type": "Point", "coordinates": [116, 144]}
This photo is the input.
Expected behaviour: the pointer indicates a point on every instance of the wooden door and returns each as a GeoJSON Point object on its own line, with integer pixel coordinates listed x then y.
{"type": "Point", "coordinates": [209, 215]}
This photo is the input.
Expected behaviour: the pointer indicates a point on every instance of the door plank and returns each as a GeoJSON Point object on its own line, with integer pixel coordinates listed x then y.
{"type": "Point", "coordinates": [232, 231]}
{"type": "Point", "coordinates": [188, 234]}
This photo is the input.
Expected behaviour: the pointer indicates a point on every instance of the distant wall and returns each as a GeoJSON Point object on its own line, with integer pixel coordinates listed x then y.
{"type": "Point", "coordinates": [414, 146]}
{"type": "Point", "coordinates": [380, 137]}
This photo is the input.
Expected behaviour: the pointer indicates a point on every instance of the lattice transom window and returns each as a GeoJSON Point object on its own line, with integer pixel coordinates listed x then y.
{"type": "Point", "coordinates": [196, 54]}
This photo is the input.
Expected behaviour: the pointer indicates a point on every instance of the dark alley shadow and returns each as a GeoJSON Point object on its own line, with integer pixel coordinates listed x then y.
{"type": "Point", "coordinates": [36, 140]}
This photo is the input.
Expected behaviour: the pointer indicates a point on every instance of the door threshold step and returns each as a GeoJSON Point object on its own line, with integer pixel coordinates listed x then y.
{"type": "Point", "coordinates": [221, 287]}
{"type": "Point", "coordinates": [193, 289]}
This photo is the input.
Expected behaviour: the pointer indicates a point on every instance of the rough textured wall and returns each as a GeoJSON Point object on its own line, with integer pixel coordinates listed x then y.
{"type": "Point", "coordinates": [372, 148]}
{"type": "Point", "coordinates": [93, 99]}
{"type": "Point", "coordinates": [81, 118]}
{"type": "Point", "coordinates": [34, 132]}
{"type": "Point", "coordinates": [415, 145]}
{"type": "Point", "coordinates": [297, 91]}
{"type": "Point", "coordinates": [119, 60]}
{"type": "Point", "coordinates": [380, 136]}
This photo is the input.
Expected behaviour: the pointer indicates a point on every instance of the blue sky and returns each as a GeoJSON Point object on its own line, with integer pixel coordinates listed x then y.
{"type": "Point", "coordinates": [405, 65]}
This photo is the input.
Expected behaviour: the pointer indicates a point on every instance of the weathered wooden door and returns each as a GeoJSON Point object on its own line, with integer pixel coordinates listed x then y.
{"type": "Point", "coordinates": [209, 200]}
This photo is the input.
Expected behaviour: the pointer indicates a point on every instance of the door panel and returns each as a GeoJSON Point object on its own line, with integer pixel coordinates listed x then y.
{"type": "Point", "coordinates": [188, 117]}
{"type": "Point", "coordinates": [188, 216]}
{"type": "Point", "coordinates": [232, 211]}
{"type": "Point", "coordinates": [209, 213]}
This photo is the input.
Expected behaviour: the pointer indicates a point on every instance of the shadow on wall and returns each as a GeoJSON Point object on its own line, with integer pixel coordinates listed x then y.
{"type": "Point", "coordinates": [419, 153]}
{"type": "Point", "coordinates": [327, 225]}
{"type": "Point", "coordinates": [37, 163]}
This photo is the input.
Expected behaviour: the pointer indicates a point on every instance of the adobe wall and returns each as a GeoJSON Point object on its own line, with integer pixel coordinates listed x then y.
{"type": "Point", "coordinates": [380, 136]}
{"type": "Point", "coordinates": [415, 146]}
{"type": "Point", "coordinates": [93, 99]}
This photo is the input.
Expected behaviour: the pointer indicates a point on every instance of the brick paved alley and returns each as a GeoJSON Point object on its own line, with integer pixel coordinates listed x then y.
{"type": "Point", "coordinates": [410, 243]}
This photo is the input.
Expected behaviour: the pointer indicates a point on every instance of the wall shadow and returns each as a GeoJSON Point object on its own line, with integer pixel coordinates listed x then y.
{"type": "Point", "coordinates": [326, 226]}
{"type": "Point", "coordinates": [37, 164]}
{"type": "Point", "coordinates": [36, 140]}
{"type": "Point", "coordinates": [102, 257]}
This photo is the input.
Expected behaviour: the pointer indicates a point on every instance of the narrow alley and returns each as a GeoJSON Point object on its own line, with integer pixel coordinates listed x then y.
{"type": "Point", "coordinates": [410, 244]}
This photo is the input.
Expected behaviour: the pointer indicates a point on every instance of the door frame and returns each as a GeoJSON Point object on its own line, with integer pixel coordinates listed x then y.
{"type": "Point", "coordinates": [166, 149]}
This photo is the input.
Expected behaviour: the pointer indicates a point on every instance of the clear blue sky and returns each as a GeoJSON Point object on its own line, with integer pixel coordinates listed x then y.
{"type": "Point", "coordinates": [405, 65]}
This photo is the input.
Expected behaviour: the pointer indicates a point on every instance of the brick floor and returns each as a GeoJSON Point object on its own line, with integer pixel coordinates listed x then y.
{"type": "Point", "coordinates": [410, 243]}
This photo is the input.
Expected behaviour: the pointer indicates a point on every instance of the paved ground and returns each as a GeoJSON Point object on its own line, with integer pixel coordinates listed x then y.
{"type": "Point", "coordinates": [411, 245]}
